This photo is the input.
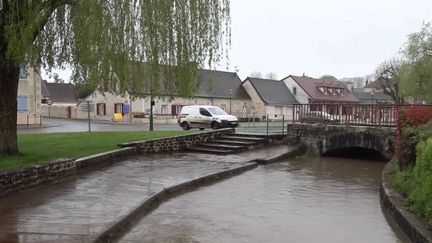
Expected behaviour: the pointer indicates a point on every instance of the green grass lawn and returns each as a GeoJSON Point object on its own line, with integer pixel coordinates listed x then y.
{"type": "Point", "coordinates": [36, 148]}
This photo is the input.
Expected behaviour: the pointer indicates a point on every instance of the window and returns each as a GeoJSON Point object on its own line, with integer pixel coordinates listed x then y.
{"type": "Point", "coordinates": [204, 112]}
{"type": "Point", "coordinates": [118, 108]}
{"type": "Point", "coordinates": [175, 109]}
{"type": "Point", "coordinates": [23, 71]}
{"type": "Point", "coordinates": [101, 109]}
{"type": "Point", "coordinates": [22, 105]}
{"type": "Point", "coordinates": [294, 90]}
{"type": "Point", "coordinates": [164, 109]}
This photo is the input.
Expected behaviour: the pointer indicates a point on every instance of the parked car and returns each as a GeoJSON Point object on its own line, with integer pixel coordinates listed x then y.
{"type": "Point", "coordinates": [200, 116]}
{"type": "Point", "coordinates": [318, 117]}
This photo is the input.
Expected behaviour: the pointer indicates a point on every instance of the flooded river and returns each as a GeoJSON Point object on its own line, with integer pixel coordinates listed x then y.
{"type": "Point", "coordinates": [303, 200]}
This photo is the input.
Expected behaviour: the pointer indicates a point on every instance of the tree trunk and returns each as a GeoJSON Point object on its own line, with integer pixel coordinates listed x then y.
{"type": "Point", "coordinates": [9, 77]}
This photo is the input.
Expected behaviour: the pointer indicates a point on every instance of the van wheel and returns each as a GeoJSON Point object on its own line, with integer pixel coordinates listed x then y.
{"type": "Point", "coordinates": [214, 125]}
{"type": "Point", "coordinates": [185, 126]}
{"type": "Point", "coordinates": [201, 128]}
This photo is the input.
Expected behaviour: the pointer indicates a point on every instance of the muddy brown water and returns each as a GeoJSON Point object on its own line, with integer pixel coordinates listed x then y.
{"type": "Point", "coordinates": [303, 200]}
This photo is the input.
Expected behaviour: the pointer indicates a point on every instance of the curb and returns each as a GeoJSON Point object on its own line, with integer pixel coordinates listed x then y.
{"type": "Point", "coordinates": [414, 227]}
{"type": "Point", "coordinates": [105, 156]}
{"type": "Point", "coordinates": [117, 229]}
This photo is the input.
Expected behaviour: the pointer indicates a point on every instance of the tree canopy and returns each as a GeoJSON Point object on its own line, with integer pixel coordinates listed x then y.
{"type": "Point", "coordinates": [104, 40]}
{"type": "Point", "coordinates": [106, 43]}
{"type": "Point", "coordinates": [416, 73]}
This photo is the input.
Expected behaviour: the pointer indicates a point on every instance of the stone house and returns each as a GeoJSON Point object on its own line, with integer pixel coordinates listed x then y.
{"type": "Point", "coordinates": [29, 97]}
{"type": "Point", "coordinates": [63, 98]}
{"type": "Point", "coordinates": [219, 88]}
{"type": "Point", "coordinates": [269, 97]}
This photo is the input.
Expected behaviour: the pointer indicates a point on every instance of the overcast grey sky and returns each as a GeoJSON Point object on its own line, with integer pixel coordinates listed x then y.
{"type": "Point", "coordinates": [344, 38]}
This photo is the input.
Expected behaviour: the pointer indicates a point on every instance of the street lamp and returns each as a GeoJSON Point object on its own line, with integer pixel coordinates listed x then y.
{"type": "Point", "coordinates": [230, 92]}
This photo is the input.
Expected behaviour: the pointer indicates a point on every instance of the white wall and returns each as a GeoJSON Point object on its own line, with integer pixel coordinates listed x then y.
{"type": "Point", "coordinates": [301, 96]}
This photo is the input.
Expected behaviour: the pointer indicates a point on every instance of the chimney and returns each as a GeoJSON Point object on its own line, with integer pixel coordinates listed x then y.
{"type": "Point", "coordinates": [367, 82]}
{"type": "Point", "coordinates": [304, 75]}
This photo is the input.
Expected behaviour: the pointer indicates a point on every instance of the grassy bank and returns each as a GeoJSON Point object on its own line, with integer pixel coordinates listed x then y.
{"type": "Point", "coordinates": [36, 148]}
{"type": "Point", "coordinates": [416, 181]}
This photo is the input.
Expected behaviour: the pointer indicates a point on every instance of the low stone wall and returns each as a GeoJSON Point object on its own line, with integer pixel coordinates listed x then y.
{"type": "Point", "coordinates": [415, 228]}
{"type": "Point", "coordinates": [30, 176]}
{"type": "Point", "coordinates": [173, 144]}
{"type": "Point", "coordinates": [19, 179]}
{"type": "Point", "coordinates": [55, 171]}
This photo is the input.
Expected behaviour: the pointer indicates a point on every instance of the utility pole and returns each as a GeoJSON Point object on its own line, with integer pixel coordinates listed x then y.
{"type": "Point", "coordinates": [230, 92]}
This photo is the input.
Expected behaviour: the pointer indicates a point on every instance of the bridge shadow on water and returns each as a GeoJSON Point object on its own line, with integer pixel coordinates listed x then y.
{"type": "Point", "coordinates": [357, 153]}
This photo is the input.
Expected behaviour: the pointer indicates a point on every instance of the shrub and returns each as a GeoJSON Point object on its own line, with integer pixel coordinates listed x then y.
{"type": "Point", "coordinates": [420, 181]}
{"type": "Point", "coordinates": [408, 136]}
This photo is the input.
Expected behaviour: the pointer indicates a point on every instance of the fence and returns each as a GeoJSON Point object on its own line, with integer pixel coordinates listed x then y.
{"type": "Point", "coordinates": [384, 115]}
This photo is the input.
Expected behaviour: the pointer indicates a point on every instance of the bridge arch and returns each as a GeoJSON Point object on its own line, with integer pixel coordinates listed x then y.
{"type": "Point", "coordinates": [321, 139]}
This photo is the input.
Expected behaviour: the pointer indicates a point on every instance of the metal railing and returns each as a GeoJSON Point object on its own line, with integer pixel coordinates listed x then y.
{"type": "Point", "coordinates": [384, 115]}
{"type": "Point", "coordinates": [264, 124]}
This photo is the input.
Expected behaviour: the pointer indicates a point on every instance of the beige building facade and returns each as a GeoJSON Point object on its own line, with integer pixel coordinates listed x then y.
{"type": "Point", "coordinates": [29, 97]}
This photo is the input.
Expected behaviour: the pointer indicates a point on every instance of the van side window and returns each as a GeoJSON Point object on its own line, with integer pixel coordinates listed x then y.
{"type": "Point", "coordinates": [204, 112]}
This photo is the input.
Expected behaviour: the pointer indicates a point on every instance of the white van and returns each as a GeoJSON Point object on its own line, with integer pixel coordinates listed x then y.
{"type": "Point", "coordinates": [205, 116]}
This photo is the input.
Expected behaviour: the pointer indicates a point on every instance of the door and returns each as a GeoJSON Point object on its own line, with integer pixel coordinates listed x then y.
{"type": "Point", "coordinates": [205, 118]}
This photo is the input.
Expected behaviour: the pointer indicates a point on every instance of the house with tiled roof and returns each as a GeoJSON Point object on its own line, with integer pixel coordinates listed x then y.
{"type": "Point", "coordinates": [309, 90]}
{"type": "Point", "coordinates": [63, 99]}
{"type": "Point", "coordinates": [269, 97]}
{"type": "Point", "coordinates": [366, 96]}
{"type": "Point", "coordinates": [321, 95]}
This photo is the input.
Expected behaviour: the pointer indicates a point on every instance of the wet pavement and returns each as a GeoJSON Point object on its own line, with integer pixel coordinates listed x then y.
{"type": "Point", "coordinates": [300, 200]}
{"type": "Point", "coordinates": [54, 125]}
{"type": "Point", "coordinates": [80, 207]}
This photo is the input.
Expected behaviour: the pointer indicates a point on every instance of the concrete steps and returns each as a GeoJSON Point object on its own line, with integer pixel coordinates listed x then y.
{"type": "Point", "coordinates": [229, 144]}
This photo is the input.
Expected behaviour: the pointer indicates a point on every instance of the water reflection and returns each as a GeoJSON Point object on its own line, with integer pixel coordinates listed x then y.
{"type": "Point", "coordinates": [305, 200]}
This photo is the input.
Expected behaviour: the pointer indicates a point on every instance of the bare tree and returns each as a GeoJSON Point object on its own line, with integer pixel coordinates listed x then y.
{"type": "Point", "coordinates": [387, 77]}
{"type": "Point", "coordinates": [255, 74]}
{"type": "Point", "coordinates": [271, 75]}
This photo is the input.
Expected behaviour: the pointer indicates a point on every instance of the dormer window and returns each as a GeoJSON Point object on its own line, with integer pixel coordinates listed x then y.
{"type": "Point", "coordinates": [321, 89]}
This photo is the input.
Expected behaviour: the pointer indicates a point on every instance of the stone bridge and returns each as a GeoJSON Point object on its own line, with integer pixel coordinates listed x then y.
{"type": "Point", "coordinates": [321, 138]}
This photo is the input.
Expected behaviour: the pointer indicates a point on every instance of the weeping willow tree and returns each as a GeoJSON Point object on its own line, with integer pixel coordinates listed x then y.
{"type": "Point", "coordinates": [106, 42]}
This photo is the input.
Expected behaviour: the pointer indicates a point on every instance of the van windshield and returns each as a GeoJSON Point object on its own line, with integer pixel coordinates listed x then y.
{"type": "Point", "coordinates": [216, 111]}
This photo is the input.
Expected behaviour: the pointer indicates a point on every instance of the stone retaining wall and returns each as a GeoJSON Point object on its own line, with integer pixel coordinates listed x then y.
{"type": "Point", "coordinates": [415, 228]}
{"type": "Point", "coordinates": [30, 176]}
{"type": "Point", "coordinates": [173, 144]}
{"type": "Point", "coordinates": [55, 171]}
{"type": "Point", "coordinates": [19, 179]}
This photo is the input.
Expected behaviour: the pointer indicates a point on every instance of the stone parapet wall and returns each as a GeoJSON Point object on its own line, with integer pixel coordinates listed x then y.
{"type": "Point", "coordinates": [173, 144]}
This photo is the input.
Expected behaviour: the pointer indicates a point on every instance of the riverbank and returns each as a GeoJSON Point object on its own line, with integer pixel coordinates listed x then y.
{"type": "Point", "coordinates": [416, 228]}
{"type": "Point", "coordinates": [36, 148]}
{"type": "Point", "coordinates": [94, 204]}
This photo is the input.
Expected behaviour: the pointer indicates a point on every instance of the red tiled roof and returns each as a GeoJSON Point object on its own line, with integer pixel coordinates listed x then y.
{"type": "Point", "coordinates": [311, 85]}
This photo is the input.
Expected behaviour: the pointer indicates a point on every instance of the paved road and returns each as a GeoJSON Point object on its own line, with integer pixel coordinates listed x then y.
{"type": "Point", "coordinates": [52, 125]}
{"type": "Point", "coordinates": [80, 207]}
